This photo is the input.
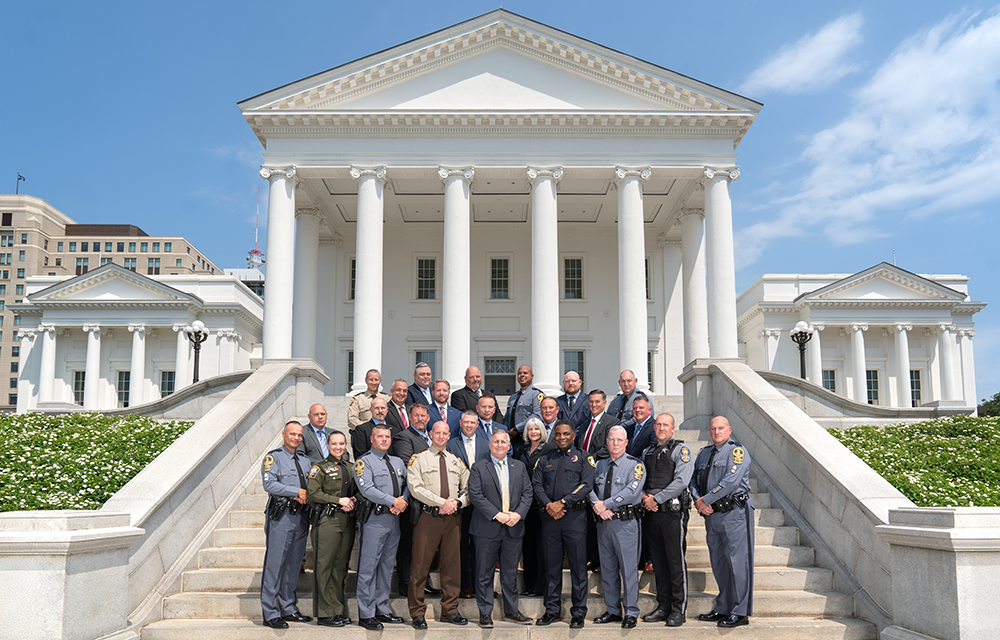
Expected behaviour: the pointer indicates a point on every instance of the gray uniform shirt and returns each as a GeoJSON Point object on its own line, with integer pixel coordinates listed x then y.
{"type": "Point", "coordinates": [527, 406]}
{"type": "Point", "coordinates": [371, 473]}
{"type": "Point", "coordinates": [730, 471]}
{"type": "Point", "coordinates": [279, 473]}
{"type": "Point", "coordinates": [626, 477]}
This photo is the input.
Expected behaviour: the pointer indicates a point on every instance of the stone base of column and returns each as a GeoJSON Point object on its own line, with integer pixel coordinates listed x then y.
{"type": "Point", "coordinates": [699, 399]}
{"type": "Point", "coordinates": [945, 404]}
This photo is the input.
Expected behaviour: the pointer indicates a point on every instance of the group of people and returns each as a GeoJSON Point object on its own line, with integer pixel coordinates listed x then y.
{"type": "Point", "coordinates": [448, 479]}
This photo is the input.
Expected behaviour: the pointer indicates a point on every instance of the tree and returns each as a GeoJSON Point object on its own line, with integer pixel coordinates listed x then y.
{"type": "Point", "coordinates": [990, 407]}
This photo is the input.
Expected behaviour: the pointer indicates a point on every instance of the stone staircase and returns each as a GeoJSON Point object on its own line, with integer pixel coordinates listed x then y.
{"type": "Point", "coordinates": [793, 598]}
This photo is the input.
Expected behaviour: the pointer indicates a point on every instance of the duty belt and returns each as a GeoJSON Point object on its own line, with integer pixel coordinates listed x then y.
{"type": "Point", "coordinates": [436, 511]}
{"type": "Point", "coordinates": [577, 506]}
{"type": "Point", "coordinates": [628, 512]}
{"type": "Point", "coordinates": [278, 505]}
{"type": "Point", "coordinates": [726, 504]}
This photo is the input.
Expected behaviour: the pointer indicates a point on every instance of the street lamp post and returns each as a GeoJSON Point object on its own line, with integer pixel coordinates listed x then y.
{"type": "Point", "coordinates": [800, 335]}
{"type": "Point", "coordinates": [197, 333]}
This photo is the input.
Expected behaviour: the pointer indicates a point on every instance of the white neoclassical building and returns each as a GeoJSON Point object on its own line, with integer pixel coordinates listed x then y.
{"type": "Point", "coordinates": [498, 193]}
{"type": "Point", "coordinates": [113, 337]}
{"type": "Point", "coordinates": [883, 336]}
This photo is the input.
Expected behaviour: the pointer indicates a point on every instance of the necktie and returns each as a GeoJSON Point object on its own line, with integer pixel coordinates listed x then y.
{"type": "Point", "coordinates": [402, 415]}
{"type": "Point", "coordinates": [444, 414]}
{"type": "Point", "coordinates": [504, 486]}
{"type": "Point", "coordinates": [704, 474]}
{"type": "Point", "coordinates": [622, 410]}
{"type": "Point", "coordinates": [488, 428]}
{"type": "Point", "coordinates": [608, 480]}
{"type": "Point", "coordinates": [572, 401]}
{"type": "Point", "coordinates": [443, 472]}
{"type": "Point", "coordinates": [511, 421]}
{"type": "Point", "coordinates": [590, 431]}
{"type": "Point", "coordinates": [302, 477]}
{"type": "Point", "coordinates": [392, 474]}
{"type": "Point", "coordinates": [470, 450]}
{"type": "Point", "coordinates": [321, 436]}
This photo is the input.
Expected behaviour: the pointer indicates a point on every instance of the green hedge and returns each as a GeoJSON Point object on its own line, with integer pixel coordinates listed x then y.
{"type": "Point", "coordinates": [75, 461]}
{"type": "Point", "coordinates": [950, 462]}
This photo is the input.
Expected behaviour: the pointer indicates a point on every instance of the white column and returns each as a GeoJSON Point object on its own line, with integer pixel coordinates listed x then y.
{"type": "Point", "coordinates": [903, 365]}
{"type": "Point", "coordinates": [860, 367]}
{"type": "Point", "coordinates": [721, 263]}
{"type": "Point", "coordinates": [368, 276]}
{"type": "Point", "coordinates": [695, 291]}
{"type": "Point", "coordinates": [306, 290]}
{"type": "Point", "coordinates": [92, 369]}
{"type": "Point", "coordinates": [946, 349]}
{"type": "Point", "coordinates": [545, 278]}
{"type": "Point", "coordinates": [815, 356]}
{"type": "Point", "coordinates": [665, 367]}
{"type": "Point", "coordinates": [771, 338]}
{"type": "Point", "coordinates": [47, 369]}
{"type": "Point", "coordinates": [137, 368]}
{"type": "Point", "coordinates": [456, 294]}
{"type": "Point", "coordinates": [181, 377]}
{"type": "Point", "coordinates": [24, 375]}
{"type": "Point", "coordinates": [280, 251]}
{"type": "Point", "coordinates": [632, 333]}
{"type": "Point", "coordinates": [965, 337]}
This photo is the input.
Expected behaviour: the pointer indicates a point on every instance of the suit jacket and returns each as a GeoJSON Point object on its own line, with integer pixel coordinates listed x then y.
{"type": "Point", "coordinates": [599, 439]}
{"type": "Point", "coordinates": [465, 399]}
{"type": "Point", "coordinates": [454, 418]}
{"type": "Point", "coordinates": [457, 446]}
{"type": "Point", "coordinates": [393, 420]}
{"type": "Point", "coordinates": [496, 426]}
{"type": "Point", "coordinates": [407, 443]}
{"type": "Point", "coordinates": [361, 438]}
{"type": "Point", "coordinates": [415, 394]}
{"type": "Point", "coordinates": [487, 500]}
{"type": "Point", "coordinates": [580, 416]}
{"type": "Point", "coordinates": [639, 437]}
{"type": "Point", "coordinates": [310, 445]}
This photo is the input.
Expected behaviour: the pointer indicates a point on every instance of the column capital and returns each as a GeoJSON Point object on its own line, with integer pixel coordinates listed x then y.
{"type": "Point", "coordinates": [946, 326]}
{"type": "Point", "coordinates": [967, 333]}
{"type": "Point", "coordinates": [663, 241]}
{"type": "Point", "coordinates": [622, 173]}
{"type": "Point", "coordinates": [447, 172]}
{"type": "Point", "coordinates": [363, 172]}
{"type": "Point", "coordinates": [96, 328]}
{"type": "Point", "coordinates": [309, 211]}
{"type": "Point", "coordinates": [691, 211]}
{"type": "Point", "coordinates": [231, 334]}
{"type": "Point", "coordinates": [536, 173]}
{"type": "Point", "coordinates": [902, 326]}
{"type": "Point", "coordinates": [268, 172]}
{"type": "Point", "coordinates": [859, 327]}
{"type": "Point", "coordinates": [733, 173]}
{"type": "Point", "coordinates": [818, 326]}
{"type": "Point", "coordinates": [137, 328]}
{"type": "Point", "coordinates": [28, 334]}
{"type": "Point", "coordinates": [179, 328]}
{"type": "Point", "coordinates": [770, 333]}
{"type": "Point", "coordinates": [46, 328]}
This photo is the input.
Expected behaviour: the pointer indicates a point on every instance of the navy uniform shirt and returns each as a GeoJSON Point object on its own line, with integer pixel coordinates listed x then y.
{"type": "Point", "coordinates": [730, 471]}
{"type": "Point", "coordinates": [563, 475]}
{"type": "Point", "coordinates": [626, 478]}
{"type": "Point", "coordinates": [371, 474]}
{"type": "Point", "coordinates": [280, 475]}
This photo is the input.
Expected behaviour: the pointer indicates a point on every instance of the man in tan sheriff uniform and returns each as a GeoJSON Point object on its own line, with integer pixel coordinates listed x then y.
{"type": "Point", "coordinates": [359, 410]}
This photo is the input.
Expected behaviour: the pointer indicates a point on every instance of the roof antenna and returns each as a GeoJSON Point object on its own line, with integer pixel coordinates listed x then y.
{"type": "Point", "coordinates": [255, 259]}
{"type": "Point", "coordinates": [893, 251]}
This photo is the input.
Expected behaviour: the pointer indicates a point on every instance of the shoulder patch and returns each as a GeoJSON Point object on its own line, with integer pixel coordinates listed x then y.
{"type": "Point", "coordinates": [359, 468]}
{"type": "Point", "coordinates": [313, 471]}
{"type": "Point", "coordinates": [413, 459]}
{"type": "Point", "coordinates": [268, 462]}
{"type": "Point", "coordinates": [638, 472]}
{"type": "Point", "coordinates": [352, 401]}
{"type": "Point", "coordinates": [590, 459]}
{"type": "Point", "coordinates": [685, 454]}
{"type": "Point", "coordinates": [738, 454]}
{"type": "Point", "coordinates": [541, 396]}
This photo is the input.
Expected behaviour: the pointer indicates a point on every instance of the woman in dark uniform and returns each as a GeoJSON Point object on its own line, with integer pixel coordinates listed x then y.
{"type": "Point", "coordinates": [332, 489]}
{"type": "Point", "coordinates": [535, 446]}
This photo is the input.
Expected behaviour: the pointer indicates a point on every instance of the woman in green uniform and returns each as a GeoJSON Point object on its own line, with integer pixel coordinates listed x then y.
{"type": "Point", "coordinates": [332, 490]}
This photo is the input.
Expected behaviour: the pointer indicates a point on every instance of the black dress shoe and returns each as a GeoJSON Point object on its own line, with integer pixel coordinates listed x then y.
{"type": "Point", "coordinates": [530, 594]}
{"type": "Point", "coordinates": [547, 619]}
{"type": "Point", "coordinates": [675, 620]}
{"type": "Point", "coordinates": [607, 617]}
{"type": "Point", "coordinates": [371, 624]}
{"type": "Point", "coordinates": [276, 623]}
{"type": "Point", "coordinates": [389, 619]}
{"type": "Point", "coordinates": [343, 619]}
{"type": "Point", "coordinates": [656, 615]}
{"type": "Point", "coordinates": [419, 622]}
{"type": "Point", "coordinates": [712, 617]}
{"type": "Point", "coordinates": [485, 622]}
{"type": "Point", "coordinates": [517, 617]}
{"type": "Point", "coordinates": [733, 620]}
{"type": "Point", "coordinates": [628, 622]}
{"type": "Point", "coordinates": [330, 622]}
{"type": "Point", "coordinates": [576, 622]}
{"type": "Point", "coordinates": [431, 591]}
{"type": "Point", "coordinates": [296, 617]}
{"type": "Point", "coordinates": [454, 618]}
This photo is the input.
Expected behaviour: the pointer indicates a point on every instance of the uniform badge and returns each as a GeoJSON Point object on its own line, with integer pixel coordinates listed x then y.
{"type": "Point", "coordinates": [738, 454]}
{"type": "Point", "coordinates": [413, 459]}
{"type": "Point", "coordinates": [574, 458]}
{"type": "Point", "coordinates": [685, 454]}
{"type": "Point", "coordinates": [352, 401]}
{"type": "Point", "coordinates": [268, 462]}
{"type": "Point", "coordinates": [359, 468]}
{"type": "Point", "coordinates": [541, 396]}
{"type": "Point", "coordinates": [590, 459]}
{"type": "Point", "coordinates": [638, 472]}
{"type": "Point", "coordinates": [313, 471]}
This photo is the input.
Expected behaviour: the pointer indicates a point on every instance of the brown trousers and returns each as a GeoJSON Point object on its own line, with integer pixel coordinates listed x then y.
{"type": "Point", "coordinates": [429, 535]}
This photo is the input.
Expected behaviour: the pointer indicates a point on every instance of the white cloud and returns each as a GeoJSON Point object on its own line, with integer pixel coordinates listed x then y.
{"type": "Point", "coordinates": [923, 136]}
{"type": "Point", "coordinates": [811, 64]}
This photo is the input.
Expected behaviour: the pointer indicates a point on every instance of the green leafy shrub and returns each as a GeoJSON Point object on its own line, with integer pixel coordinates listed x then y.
{"type": "Point", "coordinates": [75, 461]}
{"type": "Point", "coordinates": [949, 462]}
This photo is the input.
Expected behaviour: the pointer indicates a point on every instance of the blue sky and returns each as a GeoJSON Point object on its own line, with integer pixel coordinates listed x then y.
{"type": "Point", "coordinates": [880, 129]}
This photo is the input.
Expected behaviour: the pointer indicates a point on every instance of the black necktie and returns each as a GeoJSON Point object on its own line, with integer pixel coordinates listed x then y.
{"type": "Point", "coordinates": [572, 401]}
{"type": "Point", "coordinates": [392, 474]}
{"type": "Point", "coordinates": [513, 409]}
{"type": "Point", "coordinates": [608, 480]}
{"type": "Point", "coordinates": [704, 474]}
{"type": "Point", "coordinates": [302, 477]}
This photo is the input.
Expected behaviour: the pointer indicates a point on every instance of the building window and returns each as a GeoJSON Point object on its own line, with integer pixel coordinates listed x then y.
{"type": "Point", "coordinates": [24, 238]}
{"type": "Point", "coordinates": [20, 273]}
{"type": "Point", "coordinates": [499, 278]}
{"type": "Point", "coordinates": [649, 369]}
{"type": "Point", "coordinates": [20, 256]}
{"type": "Point", "coordinates": [168, 247]}
{"type": "Point", "coordinates": [915, 387]}
{"type": "Point", "coordinates": [830, 380]}
{"type": "Point", "coordinates": [130, 263]}
{"type": "Point", "coordinates": [123, 383]}
{"type": "Point", "coordinates": [4, 240]}
{"type": "Point", "coordinates": [872, 377]}
{"type": "Point", "coordinates": [105, 261]}
{"type": "Point", "coordinates": [573, 278]}
{"type": "Point", "coordinates": [573, 361]}
{"type": "Point", "coordinates": [425, 279]}
{"type": "Point", "coordinates": [153, 268]}
{"type": "Point", "coordinates": [131, 246]}
{"type": "Point", "coordinates": [58, 262]}
{"type": "Point", "coordinates": [14, 335]}
{"type": "Point", "coordinates": [166, 383]}
{"type": "Point", "coordinates": [6, 275]}
{"type": "Point", "coordinates": [15, 351]}
{"type": "Point", "coordinates": [107, 247]}
{"type": "Point", "coordinates": [12, 398]}
{"type": "Point", "coordinates": [2, 305]}
{"type": "Point", "coordinates": [82, 265]}
{"type": "Point", "coordinates": [7, 219]}
{"type": "Point", "coordinates": [143, 247]}
{"type": "Point", "coordinates": [79, 377]}
{"type": "Point", "coordinates": [17, 321]}
{"type": "Point", "coordinates": [13, 367]}
{"type": "Point", "coordinates": [350, 365]}
{"type": "Point", "coordinates": [500, 376]}
{"type": "Point", "coordinates": [178, 262]}
{"type": "Point", "coordinates": [45, 244]}
{"type": "Point", "coordinates": [84, 246]}
{"type": "Point", "coordinates": [97, 247]}
{"type": "Point", "coordinates": [156, 247]}
{"type": "Point", "coordinates": [121, 247]}
{"type": "Point", "coordinates": [430, 358]}
{"type": "Point", "coordinates": [59, 246]}
{"type": "Point", "coordinates": [13, 383]}
{"type": "Point", "coordinates": [354, 275]}
{"type": "Point", "coordinates": [3, 289]}
{"type": "Point", "coordinates": [45, 261]}
{"type": "Point", "coordinates": [649, 288]}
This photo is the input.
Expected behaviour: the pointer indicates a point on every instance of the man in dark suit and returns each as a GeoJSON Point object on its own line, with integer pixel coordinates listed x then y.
{"type": "Point", "coordinates": [315, 435]}
{"type": "Point", "coordinates": [443, 411]}
{"type": "Point", "coordinates": [573, 403]}
{"type": "Point", "coordinates": [592, 440]}
{"type": "Point", "coordinates": [396, 417]}
{"type": "Point", "coordinates": [550, 411]}
{"type": "Point", "coordinates": [640, 428]}
{"type": "Point", "coordinates": [501, 495]}
{"type": "Point", "coordinates": [487, 411]}
{"type": "Point", "coordinates": [465, 399]}
{"type": "Point", "coordinates": [470, 446]}
{"type": "Point", "coordinates": [361, 436]}
{"type": "Point", "coordinates": [420, 390]}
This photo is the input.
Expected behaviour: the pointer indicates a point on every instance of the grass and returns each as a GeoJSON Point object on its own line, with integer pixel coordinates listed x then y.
{"type": "Point", "coordinates": [75, 461]}
{"type": "Point", "coordinates": [948, 462]}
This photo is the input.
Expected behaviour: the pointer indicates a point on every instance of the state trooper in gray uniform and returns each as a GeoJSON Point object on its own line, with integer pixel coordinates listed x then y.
{"type": "Point", "coordinates": [381, 480]}
{"type": "Point", "coordinates": [286, 526]}
{"type": "Point", "coordinates": [523, 404]}
{"type": "Point", "coordinates": [617, 492]}
{"type": "Point", "coordinates": [721, 488]}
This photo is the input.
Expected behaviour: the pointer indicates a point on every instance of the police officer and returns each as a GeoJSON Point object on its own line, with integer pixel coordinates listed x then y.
{"type": "Point", "coordinates": [615, 498]}
{"type": "Point", "coordinates": [562, 480]}
{"type": "Point", "coordinates": [359, 412]}
{"type": "Point", "coordinates": [523, 404]}
{"type": "Point", "coordinates": [286, 527]}
{"type": "Point", "coordinates": [721, 488]}
{"type": "Point", "coordinates": [669, 466]}
{"type": "Point", "coordinates": [621, 406]}
{"type": "Point", "coordinates": [381, 480]}
{"type": "Point", "coordinates": [331, 492]}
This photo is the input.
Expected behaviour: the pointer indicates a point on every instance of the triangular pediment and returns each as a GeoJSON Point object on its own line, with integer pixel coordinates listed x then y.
{"type": "Point", "coordinates": [111, 283]}
{"type": "Point", "coordinates": [884, 283]}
